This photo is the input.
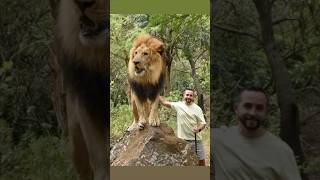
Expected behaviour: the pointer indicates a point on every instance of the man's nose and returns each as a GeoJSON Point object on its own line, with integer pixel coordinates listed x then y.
{"type": "Point", "coordinates": [252, 111]}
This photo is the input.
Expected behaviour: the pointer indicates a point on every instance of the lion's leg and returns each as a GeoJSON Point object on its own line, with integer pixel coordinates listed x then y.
{"type": "Point", "coordinates": [135, 124]}
{"type": "Point", "coordinates": [153, 116]}
{"type": "Point", "coordinates": [96, 140]}
{"type": "Point", "coordinates": [90, 139]}
{"type": "Point", "coordinates": [143, 113]}
{"type": "Point", "coordinates": [135, 112]}
{"type": "Point", "coordinates": [80, 156]}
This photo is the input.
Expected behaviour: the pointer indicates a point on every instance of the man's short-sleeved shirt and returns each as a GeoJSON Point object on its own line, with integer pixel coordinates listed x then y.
{"type": "Point", "coordinates": [188, 116]}
{"type": "Point", "coordinates": [240, 158]}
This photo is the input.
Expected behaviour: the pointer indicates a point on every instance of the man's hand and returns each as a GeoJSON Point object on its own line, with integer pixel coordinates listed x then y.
{"type": "Point", "coordinates": [195, 129]}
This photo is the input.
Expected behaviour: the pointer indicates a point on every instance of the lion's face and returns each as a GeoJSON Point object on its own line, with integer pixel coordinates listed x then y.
{"type": "Point", "coordinates": [142, 59]}
{"type": "Point", "coordinates": [146, 63]}
{"type": "Point", "coordinates": [84, 22]}
{"type": "Point", "coordinates": [93, 23]}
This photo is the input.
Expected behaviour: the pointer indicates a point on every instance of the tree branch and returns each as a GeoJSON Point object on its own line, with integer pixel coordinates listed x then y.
{"type": "Point", "coordinates": [196, 59]}
{"type": "Point", "coordinates": [237, 32]}
{"type": "Point", "coordinates": [278, 21]}
{"type": "Point", "coordinates": [291, 52]}
{"type": "Point", "coordinates": [305, 121]}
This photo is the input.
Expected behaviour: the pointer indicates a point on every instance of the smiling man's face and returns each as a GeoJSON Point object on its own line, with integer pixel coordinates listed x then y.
{"type": "Point", "coordinates": [188, 96]}
{"type": "Point", "coordinates": [251, 110]}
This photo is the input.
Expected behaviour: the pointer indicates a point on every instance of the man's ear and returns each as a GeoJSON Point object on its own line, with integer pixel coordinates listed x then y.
{"type": "Point", "coordinates": [235, 107]}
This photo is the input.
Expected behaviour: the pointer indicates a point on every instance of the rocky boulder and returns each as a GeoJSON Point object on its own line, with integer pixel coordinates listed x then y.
{"type": "Point", "coordinates": [152, 146]}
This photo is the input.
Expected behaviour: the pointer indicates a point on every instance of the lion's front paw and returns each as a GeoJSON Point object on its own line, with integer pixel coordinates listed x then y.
{"type": "Point", "coordinates": [133, 126]}
{"type": "Point", "coordinates": [142, 123]}
{"type": "Point", "coordinates": [154, 122]}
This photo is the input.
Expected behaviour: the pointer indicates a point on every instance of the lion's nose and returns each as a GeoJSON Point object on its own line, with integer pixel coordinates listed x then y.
{"type": "Point", "coordinates": [136, 62]}
{"type": "Point", "coordinates": [83, 4]}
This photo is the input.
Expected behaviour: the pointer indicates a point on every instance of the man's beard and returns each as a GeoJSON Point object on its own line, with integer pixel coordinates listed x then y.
{"type": "Point", "coordinates": [246, 121]}
{"type": "Point", "coordinates": [188, 101]}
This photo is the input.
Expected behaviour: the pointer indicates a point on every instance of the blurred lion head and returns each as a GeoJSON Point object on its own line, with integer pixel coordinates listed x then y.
{"type": "Point", "coordinates": [83, 28]}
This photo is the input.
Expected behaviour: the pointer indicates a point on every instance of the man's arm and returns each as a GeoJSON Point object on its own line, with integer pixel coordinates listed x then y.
{"type": "Point", "coordinates": [164, 102]}
{"type": "Point", "coordinates": [201, 122]}
{"type": "Point", "coordinates": [290, 168]}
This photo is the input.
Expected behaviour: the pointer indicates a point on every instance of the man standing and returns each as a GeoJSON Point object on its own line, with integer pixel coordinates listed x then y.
{"type": "Point", "coordinates": [190, 121]}
{"type": "Point", "coordinates": [249, 151]}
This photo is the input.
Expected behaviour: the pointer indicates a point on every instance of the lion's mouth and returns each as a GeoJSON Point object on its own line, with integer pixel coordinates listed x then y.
{"type": "Point", "coordinates": [139, 71]}
{"type": "Point", "coordinates": [93, 34]}
{"type": "Point", "coordinates": [90, 29]}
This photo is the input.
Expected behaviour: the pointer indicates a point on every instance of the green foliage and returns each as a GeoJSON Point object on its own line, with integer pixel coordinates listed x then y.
{"type": "Point", "coordinates": [24, 68]}
{"type": "Point", "coordinates": [121, 119]}
{"type": "Point", "coordinates": [204, 74]}
{"type": "Point", "coordinates": [33, 159]}
{"type": "Point", "coordinates": [239, 59]}
{"type": "Point", "coordinates": [167, 115]}
{"type": "Point", "coordinates": [5, 137]}
{"type": "Point", "coordinates": [30, 147]}
{"type": "Point", "coordinates": [313, 166]}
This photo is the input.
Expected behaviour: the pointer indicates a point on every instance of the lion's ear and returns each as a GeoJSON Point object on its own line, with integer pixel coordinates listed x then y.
{"type": "Point", "coordinates": [160, 49]}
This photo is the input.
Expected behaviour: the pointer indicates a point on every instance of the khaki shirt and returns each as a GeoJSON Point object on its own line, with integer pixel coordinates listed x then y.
{"type": "Point", "coordinates": [264, 158]}
{"type": "Point", "coordinates": [188, 116]}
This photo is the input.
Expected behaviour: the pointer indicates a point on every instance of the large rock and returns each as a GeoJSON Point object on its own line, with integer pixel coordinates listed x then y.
{"type": "Point", "coordinates": [152, 146]}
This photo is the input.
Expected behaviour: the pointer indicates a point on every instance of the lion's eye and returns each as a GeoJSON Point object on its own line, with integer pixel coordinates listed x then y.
{"type": "Point", "coordinates": [145, 54]}
{"type": "Point", "coordinates": [136, 52]}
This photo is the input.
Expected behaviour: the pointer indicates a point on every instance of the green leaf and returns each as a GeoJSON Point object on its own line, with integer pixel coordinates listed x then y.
{"type": "Point", "coordinates": [7, 65]}
{"type": "Point", "coordinates": [8, 79]}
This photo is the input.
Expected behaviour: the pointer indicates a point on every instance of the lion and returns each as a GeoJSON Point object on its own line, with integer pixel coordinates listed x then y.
{"type": "Point", "coordinates": [146, 72]}
{"type": "Point", "coordinates": [82, 52]}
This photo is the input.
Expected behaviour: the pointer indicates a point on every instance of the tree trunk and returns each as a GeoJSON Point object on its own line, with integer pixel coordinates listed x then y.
{"type": "Point", "coordinates": [169, 58]}
{"type": "Point", "coordinates": [289, 126]}
{"type": "Point", "coordinates": [167, 85]}
{"type": "Point", "coordinates": [195, 78]}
